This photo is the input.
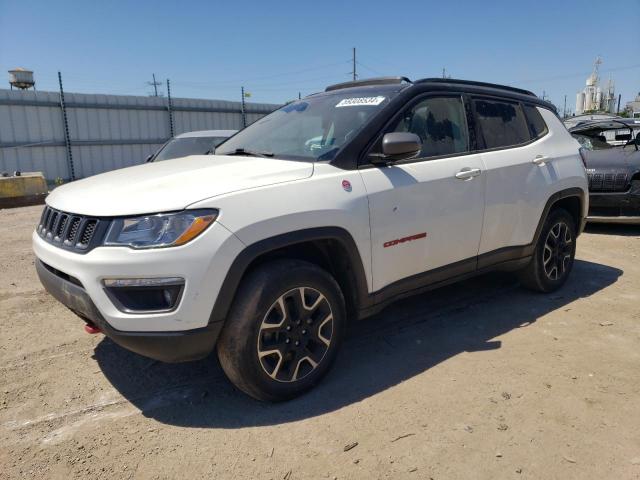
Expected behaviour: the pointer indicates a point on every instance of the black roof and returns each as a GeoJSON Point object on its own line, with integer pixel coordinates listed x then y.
{"type": "Point", "coordinates": [398, 80]}
{"type": "Point", "coordinates": [473, 83]}
{"type": "Point", "coordinates": [471, 86]}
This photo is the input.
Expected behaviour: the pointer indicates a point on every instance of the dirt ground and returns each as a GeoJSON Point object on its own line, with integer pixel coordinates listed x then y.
{"type": "Point", "coordinates": [478, 380]}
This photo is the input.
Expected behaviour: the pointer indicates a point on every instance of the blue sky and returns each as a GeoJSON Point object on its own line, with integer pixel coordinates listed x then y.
{"type": "Point", "coordinates": [279, 48]}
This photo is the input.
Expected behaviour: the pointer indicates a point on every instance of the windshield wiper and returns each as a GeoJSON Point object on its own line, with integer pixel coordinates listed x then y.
{"type": "Point", "coordinates": [249, 153]}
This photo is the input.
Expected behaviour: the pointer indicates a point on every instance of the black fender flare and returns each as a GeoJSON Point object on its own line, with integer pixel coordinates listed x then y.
{"type": "Point", "coordinates": [510, 253]}
{"type": "Point", "coordinates": [560, 195]}
{"type": "Point", "coordinates": [244, 259]}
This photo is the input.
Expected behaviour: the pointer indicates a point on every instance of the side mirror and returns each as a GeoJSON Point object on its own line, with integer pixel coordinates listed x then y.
{"type": "Point", "coordinates": [400, 146]}
{"type": "Point", "coordinates": [149, 158]}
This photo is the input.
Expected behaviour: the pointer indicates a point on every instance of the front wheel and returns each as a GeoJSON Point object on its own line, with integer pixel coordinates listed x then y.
{"type": "Point", "coordinates": [554, 254]}
{"type": "Point", "coordinates": [283, 331]}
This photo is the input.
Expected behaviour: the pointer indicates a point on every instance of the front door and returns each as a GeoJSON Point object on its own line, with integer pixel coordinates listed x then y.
{"type": "Point", "coordinates": [427, 213]}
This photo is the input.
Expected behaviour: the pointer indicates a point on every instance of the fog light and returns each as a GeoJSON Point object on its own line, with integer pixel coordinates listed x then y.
{"type": "Point", "coordinates": [145, 295]}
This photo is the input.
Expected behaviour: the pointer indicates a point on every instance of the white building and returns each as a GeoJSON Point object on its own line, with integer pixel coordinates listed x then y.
{"type": "Point", "coordinates": [633, 107]}
{"type": "Point", "coordinates": [593, 98]}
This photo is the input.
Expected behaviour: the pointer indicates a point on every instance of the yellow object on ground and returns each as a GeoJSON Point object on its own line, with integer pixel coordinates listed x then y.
{"type": "Point", "coordinates": [30, 188]}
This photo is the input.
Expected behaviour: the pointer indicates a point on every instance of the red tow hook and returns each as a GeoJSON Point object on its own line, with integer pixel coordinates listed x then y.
{"type": "Point", "coordinates": [92, 329]}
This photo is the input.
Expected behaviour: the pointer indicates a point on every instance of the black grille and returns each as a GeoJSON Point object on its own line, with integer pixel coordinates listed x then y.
{"type": "Point", "coordinates": [72, 232]}
{"type": "Point", "coordinates": [608, 182]}
{"type": "Point", "coordinates": [62, 222]}
{"type": "Point", "coordinates": [87, 233]}
{"type": "Point", "coordinates": [73, 229]}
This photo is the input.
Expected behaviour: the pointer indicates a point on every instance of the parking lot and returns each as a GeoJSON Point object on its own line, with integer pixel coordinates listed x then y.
{"type": "Point", "coordinates": [477, 380]}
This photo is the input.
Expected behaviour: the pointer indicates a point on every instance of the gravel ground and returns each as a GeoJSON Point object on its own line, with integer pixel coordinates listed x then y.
{"type": "Point", "coordinates": [477, 380]}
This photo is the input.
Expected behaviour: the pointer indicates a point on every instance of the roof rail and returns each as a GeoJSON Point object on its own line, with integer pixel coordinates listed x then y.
{"type": "Point", "coordinates": [368, 81]}
{"type": "Point", "coordinates": [474, 83]}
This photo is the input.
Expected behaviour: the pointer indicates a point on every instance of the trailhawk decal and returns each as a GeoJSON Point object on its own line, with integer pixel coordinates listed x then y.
{"type": "Point", "coordinates": [353, 102]}
{"type": "Point", "coordinates": [410, 238]}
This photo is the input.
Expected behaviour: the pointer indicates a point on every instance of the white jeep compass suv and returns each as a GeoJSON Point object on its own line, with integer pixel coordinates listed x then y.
{"type": "Point", "coordinates": [318, 214]}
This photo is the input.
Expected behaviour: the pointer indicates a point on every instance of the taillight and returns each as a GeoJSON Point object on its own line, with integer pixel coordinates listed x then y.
{"type": "Point", "coordinates": [583, 156]}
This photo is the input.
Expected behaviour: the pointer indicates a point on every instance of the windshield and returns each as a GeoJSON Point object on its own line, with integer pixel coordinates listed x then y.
{"type": "Point", "coordinates": [314, 128]}
{"type": "Point", "coordinates": [182, 147]}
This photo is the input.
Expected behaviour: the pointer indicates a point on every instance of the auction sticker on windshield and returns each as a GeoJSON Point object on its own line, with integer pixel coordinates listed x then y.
{"type": "Point", "coordinates": [352, 102]}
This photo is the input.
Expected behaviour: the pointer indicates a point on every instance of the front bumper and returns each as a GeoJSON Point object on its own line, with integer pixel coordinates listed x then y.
{"type": "Point", "coordinates": [178, 346]}
{"type": "Point", "coordinates": [619, 207]}
{"type": "Point", "coordinates": [203, 264]}
{"type": "Point", "coordinates": [184, 333]}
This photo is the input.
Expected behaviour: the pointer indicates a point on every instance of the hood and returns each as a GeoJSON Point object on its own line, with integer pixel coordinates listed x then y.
{"type": "Point", "coordinates": [172, 184]}
{"type": "Point", "coordinates": [614, 159]}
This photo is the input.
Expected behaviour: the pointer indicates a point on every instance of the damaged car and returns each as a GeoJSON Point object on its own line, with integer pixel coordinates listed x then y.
{"type": "Point", "coordinates": [611, 151]}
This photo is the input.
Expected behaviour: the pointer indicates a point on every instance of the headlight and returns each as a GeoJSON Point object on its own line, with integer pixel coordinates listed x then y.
{"type": "Point", "coordinates": [161, 230]}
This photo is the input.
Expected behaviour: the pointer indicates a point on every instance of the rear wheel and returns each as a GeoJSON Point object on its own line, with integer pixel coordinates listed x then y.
{"type": "Point", "coordinates": [554, 254]}
{"type": "Point", "coordinates": [283, 331]}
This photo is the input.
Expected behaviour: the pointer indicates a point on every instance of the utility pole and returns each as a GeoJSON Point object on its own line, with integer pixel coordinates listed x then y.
{"type": "Point", "coordinates": [67, 137]}
{"type": "Point", "coordinates": [444, 73]}
{"type": "Point", "coordinates": [299, 96]}
{"type": "Point", "coordinates": [244, 116]}
{"type": "Point", "coordinates": [355, 75]}
{"type": "Point", "coordinates": [154, 84]}
{"type": "Point", "coordinates": [619, 98]}
{"type": "Point", "coordinates": [170, 108]}
{"type": "Point", "coordinates": [564, 111]}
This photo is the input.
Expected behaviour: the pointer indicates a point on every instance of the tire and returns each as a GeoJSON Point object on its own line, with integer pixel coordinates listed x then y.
{"type": "Point", "coordinates": [554, 254]}
{"type": "Point", "coordinates": [284, 330]}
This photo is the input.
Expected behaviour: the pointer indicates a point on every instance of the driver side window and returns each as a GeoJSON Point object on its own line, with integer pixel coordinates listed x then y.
{"type": "Point", "coordinates": [440, 122]}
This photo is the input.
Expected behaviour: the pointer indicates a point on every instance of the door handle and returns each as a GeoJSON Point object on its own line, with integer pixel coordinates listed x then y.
{"type": "Point", "coordinates": [540, 159]}
{"type": "Point", "coordinates": [468, 173]}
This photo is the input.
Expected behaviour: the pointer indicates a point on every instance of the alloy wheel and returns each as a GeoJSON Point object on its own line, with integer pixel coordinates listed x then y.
{"type": "Point", "coordinates": [295, 334]}
{"type": "Point", "coordinates": [556, 256]}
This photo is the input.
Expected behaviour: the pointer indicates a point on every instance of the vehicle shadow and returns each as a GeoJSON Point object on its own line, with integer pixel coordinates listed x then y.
{"type": "Point", "coordinates": [613, 229]}
{"type": "Point", "coordinates": [404, 340]}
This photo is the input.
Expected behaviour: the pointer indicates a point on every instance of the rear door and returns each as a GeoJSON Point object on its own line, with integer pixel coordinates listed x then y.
{"type": "Point", "coordinates": [426, 213]}
{"type": "Point", "coordinates": [518, 158]}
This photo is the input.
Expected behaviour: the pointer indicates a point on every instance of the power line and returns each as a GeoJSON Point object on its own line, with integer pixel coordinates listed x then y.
{"type": "Point", "coordinates": [231, 85]}
{"type": "Point", "coordinates": [372, 70]}
{"type": "Point", "coordinates": [264, 77]}
{"type": "Point", "coordinates": [86, 81]}
{"type": "Point", "coordinates": [386, 64]}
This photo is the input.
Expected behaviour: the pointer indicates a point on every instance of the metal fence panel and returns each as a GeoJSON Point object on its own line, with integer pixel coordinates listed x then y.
{"type": "Point", "coordinates": [107, 131]}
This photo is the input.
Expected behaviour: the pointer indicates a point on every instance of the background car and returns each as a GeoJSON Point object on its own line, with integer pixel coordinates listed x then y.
{"type": "Point", "coordinates": [611, 150]}
{"type": "Point", "coordinates": [200, 142]}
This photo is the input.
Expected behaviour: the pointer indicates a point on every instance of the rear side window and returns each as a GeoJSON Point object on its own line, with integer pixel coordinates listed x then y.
{"type": "Point", "coordinates": [440, 122]}
{"type": "Point", "coordinates": [502, 124]}
{"type": "Point", "coordinates": [536, 122]}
